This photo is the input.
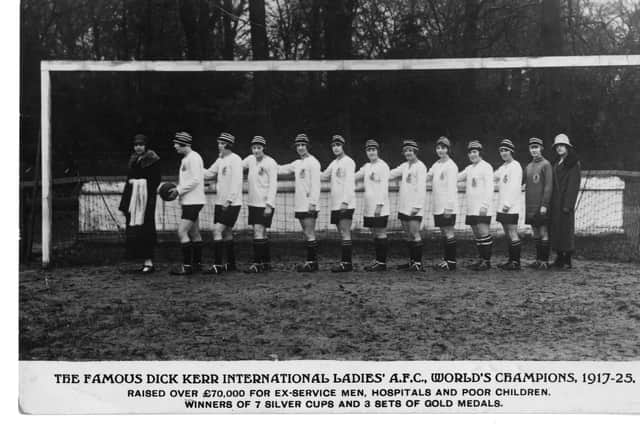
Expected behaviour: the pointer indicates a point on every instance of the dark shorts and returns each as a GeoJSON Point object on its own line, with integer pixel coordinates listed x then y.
{"type": "Point", "coordinates": [537, 220]}
{"type": "Point", "coordinates": [506, 218]}
{"type": "Point", "coordinates": [477, 219]}
{"type": "Point", "coordinates": [404, 217]}
{"type": "Point", "coordinates": [336, 216]}
{"type": "Point", "coordinates": [227, 216]}
{"type": "Point", "coordinates": [376, 221]}
{"type": "Point", "coordinates": [257, 216]}
{"type": "Point", "coordinates": [191, 212]}
{"type": "Point", "coordinates": [441, 221]}
{"type": "Point", "coordinates": [306, 214]}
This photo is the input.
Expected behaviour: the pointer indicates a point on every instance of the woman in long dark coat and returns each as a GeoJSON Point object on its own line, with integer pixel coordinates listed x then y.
{"type": "Point", "coordinates": [566, 185]}
{"type": "Point", "coordinates": [141, 239]}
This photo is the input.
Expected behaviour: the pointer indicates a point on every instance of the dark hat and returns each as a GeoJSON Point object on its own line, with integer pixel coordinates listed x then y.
{"type": "Point", "coordinates": [409, 143]}
{"type": "Point", "coordinates": [507, 145]}
{"type": "Point", "coordinates": [259, 140]}
{"type": "Point", "coordinates": [227, 138]}
{"type": "Point", "coordinates": [337, 139]}
{"type": "Point", "coordinates": [443, 140]}
{"type": "Point", "coordinates": [561, 138]}
{"type": "Point", "coordinates": [371, 143]}
{"type": "Point", "coordinates": [182, 138]}
{"type": "Point", "coordinates": [474, 145]}
{"type": "Point", "coordinates": [534, 141]}
{"type": "Point", "coordinates": [139, 139]}
{"type": "Point", "coordinates": [302, 138]}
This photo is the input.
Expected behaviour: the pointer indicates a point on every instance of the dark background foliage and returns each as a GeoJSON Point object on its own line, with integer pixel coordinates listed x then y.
{"type": "Point", "coordinates": [95, 115]}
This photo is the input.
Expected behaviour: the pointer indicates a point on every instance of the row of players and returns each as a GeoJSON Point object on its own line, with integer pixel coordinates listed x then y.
{"type": "Point", "coordinates": [550, 195]}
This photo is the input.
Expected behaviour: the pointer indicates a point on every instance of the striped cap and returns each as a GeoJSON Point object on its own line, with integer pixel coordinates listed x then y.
{"type": "Point", "coordinates": [474, 145]}
{"type": "Point", "coordinates": [371, 143]}
{"type": "Point", "coordinates": [443, 140]}
{"type": "Point", "coordinates": [534, 140]}
{"type": "Point", "coordinates": [409, 143]}
{"type": "Point", "coordinates": [337, 139]}
{"type": "Point", "coordinates": [507, 145]}
{"type": "Point", "coordinates": [140, 139]}
{"type": "Point", "coordinates": [182, 138]}
{"type": "Point", "coordinates": [561, 139]}
{"type": "Point", "coordinates": [259, 140]}
{"type": "Point", "coordinates": [302, 138]}
{"type": "Point", "coordinates": [226, 138]}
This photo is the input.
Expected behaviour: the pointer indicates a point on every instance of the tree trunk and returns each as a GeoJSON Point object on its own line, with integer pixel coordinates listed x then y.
{"type": "Point", "coordinates": [227, 30]}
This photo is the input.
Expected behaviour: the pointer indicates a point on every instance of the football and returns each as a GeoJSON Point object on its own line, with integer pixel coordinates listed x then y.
{"type": "Point", "coordinates": [164, 190]}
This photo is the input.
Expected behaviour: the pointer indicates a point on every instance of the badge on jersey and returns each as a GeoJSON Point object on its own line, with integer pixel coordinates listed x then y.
{"type": "Point", "coordinates": [474, 183]}
{"type": "Point", "coordinates": [373, 176]}
{"type": "Point", "coordinates": [302, 174]}
{"type": "Point", "coordinates": [536, 178]}
{"type": "Point", "coordinates": [224, 171]}
{"type": "Point", "coordinates": [183, 168]}
{"type": "Point", "coordinates": [261, 171]}
{"type": "Point", "coordinates": [505, 178]}
{"type": "Point", "coordinates": [409, 178]}
{"type": "Point", "coordinates": [340, 173]}
{"type": "Point", "coordinates": [442, 176]}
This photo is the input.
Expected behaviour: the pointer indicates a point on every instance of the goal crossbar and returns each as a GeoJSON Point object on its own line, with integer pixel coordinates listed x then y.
{"type": "Point", "coordinates": [488, 63]}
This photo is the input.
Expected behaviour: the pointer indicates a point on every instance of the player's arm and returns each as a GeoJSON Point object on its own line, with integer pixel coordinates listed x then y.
{"type": "Point", "coordinates": [487, 193]}
{"type": "Point", "coordinates": [236, 180]}
{"type": "Point", "coordinates": [395, 173]}
{"type": "Point", "coordinates": [212, 172]}
{"type": "Point", "coordinates": [326, 174]}
{"type": "Point", "coordinates": [383, 189]}
{"type": "Point", "coordinates": [514, 189]}
{"type": "Point", "coordinates": [419, 200]}
{"type": "Point", "coordinates": [462, 176]}
{"type": "Point", "coordinates": [191, 177]}
{"type": "Point", "coordinates": [430, 174]}
{"type": "Point", "coordinates": [451, 175]}
{"type": "Point", "coordinates": [547, 189]}
{"type": "Point", "coordinates": [273, 184]}
{"type": "Point", "coordinates": [286, 169]}
{"type": "Point", "coordinates": [349, 184]}
{"type": "Point", "coordinates": [314, 188]}
{"type": "Point", "coordinates": [359, 175]}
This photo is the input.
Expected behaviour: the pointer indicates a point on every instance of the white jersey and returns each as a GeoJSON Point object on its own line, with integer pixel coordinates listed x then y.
{"type": "Point", "coordinates": [413, 187]}
{"type": "Point", "coordinates": [262, 179]}
{"type": "Point", "coordinates": [444, 187]}
{"type": "Point", "coordinates": [479, 180]}
{"type": "Point", "coordinates": [191, 180]}
{"type": "Point", "coordinates": [509, 178]}
{"type": "Point", "coordinates": [376, 187]}
{"type": "Point", "coordinates": [229, 179]}
{"type": "Point", "coordinates": [341, 172]}
{"type": "Point", "coordinates": [307, 182]}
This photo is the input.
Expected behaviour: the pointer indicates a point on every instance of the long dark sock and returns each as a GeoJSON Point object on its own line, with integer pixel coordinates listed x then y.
{"type": "Point", "coordinates": [382, 247]}
{"type": "Point", "coordinates": [450, 250]}
{"type": "Point", "coordinates": [416, 251]}
{"type": "Point", "coordinates": [484, 246]}
{"type": "Point", "coordinates": [410, 247]}
{"type": "Point", "coordinates": [347, 251]}
{"type": "Point", "coordinates": [567, 258]}
{"type": "Point", "coordinates": [312, 250]}
{"type": "Point", "coordinates": [218, 249]}
{"type": "Point", "coordinates": [266, 251]}
{"type": "Point", "coordinates": [258, 250]}
{"type": "Point", "coordinates": [229, 250]}
{"type": "Point", "coordinates": [538, 248]}
{"type": "Point", "coordinates": [186, 253]}
{"type": "Point", "coordinates": [514, 250]}
{"type": "Point", "coordinates": [545, 249]}
{"type": "Point", "coordinates": [197, 252]}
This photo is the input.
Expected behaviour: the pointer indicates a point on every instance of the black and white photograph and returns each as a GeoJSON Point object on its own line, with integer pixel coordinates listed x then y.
{"type": "Point", "coordinates": [333, 181]}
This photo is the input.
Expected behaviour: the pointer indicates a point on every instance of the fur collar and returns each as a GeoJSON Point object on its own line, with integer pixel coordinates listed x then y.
{"type": "Point", "coordinates": [146, 159]}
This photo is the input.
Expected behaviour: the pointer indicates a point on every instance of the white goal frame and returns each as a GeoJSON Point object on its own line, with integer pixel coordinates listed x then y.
{"type": "Point", "coordinates": [489, 63]}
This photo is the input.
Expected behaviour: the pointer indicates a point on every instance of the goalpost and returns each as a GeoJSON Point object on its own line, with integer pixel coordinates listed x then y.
{"type": "Point", "coordinates": [489, 63]}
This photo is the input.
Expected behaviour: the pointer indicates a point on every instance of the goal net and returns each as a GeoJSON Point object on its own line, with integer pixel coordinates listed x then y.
{"type": "Point", "coordinates": [91, 110]}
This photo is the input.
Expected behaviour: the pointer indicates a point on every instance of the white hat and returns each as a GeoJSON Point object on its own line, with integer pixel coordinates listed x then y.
{"type": "Point", "coordinates": [561, 138]}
